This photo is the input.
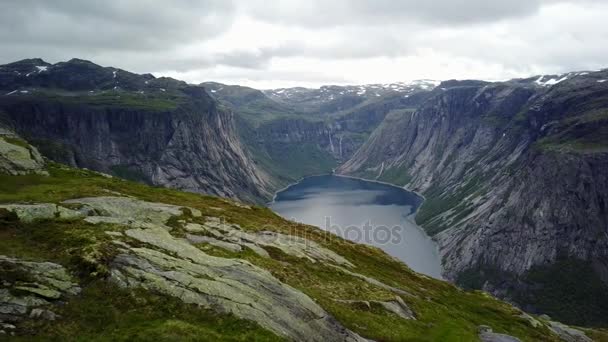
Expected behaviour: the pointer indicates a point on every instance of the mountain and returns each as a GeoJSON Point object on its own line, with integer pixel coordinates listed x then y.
{"type": "Point", "coordinates": [297, 132]}
{"type": "Point", "coordinates": [157, 130]}
{"type": "Point", "coordinates": [514, 176]}
{"type": "Point", "coordinates": [86, 256]}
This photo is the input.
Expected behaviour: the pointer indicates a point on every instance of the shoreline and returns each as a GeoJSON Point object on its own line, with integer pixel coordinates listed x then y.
{"type": "Point", "coordinates": [411, 217]}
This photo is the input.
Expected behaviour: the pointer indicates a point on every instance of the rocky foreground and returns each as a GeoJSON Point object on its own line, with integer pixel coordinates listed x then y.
{"type": "Point", "coordinates": [78, 248]}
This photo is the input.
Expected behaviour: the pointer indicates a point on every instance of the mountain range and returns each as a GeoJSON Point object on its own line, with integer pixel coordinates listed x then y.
{"type": "Point", "coordinates": [513, 173]}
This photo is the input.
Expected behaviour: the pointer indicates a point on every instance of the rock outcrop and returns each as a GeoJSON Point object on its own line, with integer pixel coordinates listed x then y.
{"type": "Point", "coordinates": [159, 131]}
{"type": "Point", "coordinates": [174, 267]}
{"type": "Point", "coordinates": [19, 158]}
{"type": "Point", "coordinates": [513, 176]}
{"type": "Point", "coordinates": [27, 290]}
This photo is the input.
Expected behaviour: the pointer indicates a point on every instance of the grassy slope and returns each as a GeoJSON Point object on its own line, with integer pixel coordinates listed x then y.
{"type": "Point", "coordinates": [444, 312]}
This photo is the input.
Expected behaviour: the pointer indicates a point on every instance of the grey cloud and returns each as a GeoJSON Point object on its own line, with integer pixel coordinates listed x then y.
{"type": "Point", "coordinates": [112, 24]}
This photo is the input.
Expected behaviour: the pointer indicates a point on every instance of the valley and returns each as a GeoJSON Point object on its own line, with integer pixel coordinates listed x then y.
{"type": "Point", "coordinates": [513, 174]}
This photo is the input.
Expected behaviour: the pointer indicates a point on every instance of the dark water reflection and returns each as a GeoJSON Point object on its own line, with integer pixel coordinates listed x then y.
{"type": "Point", "coordinates": [365, 212]}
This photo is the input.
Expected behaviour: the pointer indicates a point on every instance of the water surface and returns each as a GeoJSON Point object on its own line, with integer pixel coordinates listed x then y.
{"type": "Point", "coordinates": [362, 211]}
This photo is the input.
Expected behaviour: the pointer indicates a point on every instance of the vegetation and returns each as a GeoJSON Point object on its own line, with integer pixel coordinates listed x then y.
{"type": "Point", "coordinates": [103, 312]}
{"type": "Point", "coordinates": [154, 102]}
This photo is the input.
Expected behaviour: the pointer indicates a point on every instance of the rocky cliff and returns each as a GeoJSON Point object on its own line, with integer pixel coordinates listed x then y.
{"type": "Point", "coordinates": [85, 256]}
{"type": "Point", "coordinates": [156, 130]}
{"type": "Point", "coordinates": [515, 185]}
{"type": "Point", "coordinates": [296, 132]}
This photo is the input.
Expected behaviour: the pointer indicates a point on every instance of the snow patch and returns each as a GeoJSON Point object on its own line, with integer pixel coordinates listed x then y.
{"type": "Point", "coordinates": [114, 74]}
{"type": "Point", "coordinates": [42, 68]}
{"type": "Point", "coordinates": [601, 81]}
{"type": "Point", "coordinates": [163, 89]}
{"type": "Point", "coordinates": [12, 92]}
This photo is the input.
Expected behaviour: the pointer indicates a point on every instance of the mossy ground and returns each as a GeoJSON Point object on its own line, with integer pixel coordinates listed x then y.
{"type": "Point", "coordinates": [103, 312]}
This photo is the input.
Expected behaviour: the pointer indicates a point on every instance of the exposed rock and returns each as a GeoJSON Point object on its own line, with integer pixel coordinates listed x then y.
{"type": "Point", "coordinates": [32, 212]}
{"type": "Point", "coordinates": [397, 306]}
{"type": "Point", "coordinates": [127, 208]}
{"type": "Point", "coordinates": [43, 314]}
{"type": "Point", "coordinates": [233, 247]}
{"type": "Point", "coordinates": [375, 282]}
{"type": "Point", "coordinates": [189, 144]}
{"type": "Point", "coordinates": [289, 244]}
{"type": "Point", "coordinates": [19, 160]}
{"type": "Point", "coordinates": [486, 335]}
{"type": "Point", "coordinates": [32, 287]}
{"type": "Point", "coordinates": [235, 286]}
{"type": "Point", "coordinates": [513, 175]}
{"type": "Point", "coordinates": [567, 333]}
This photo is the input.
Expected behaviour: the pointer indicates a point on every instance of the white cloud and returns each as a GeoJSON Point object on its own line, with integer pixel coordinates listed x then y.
{"type": "Point", "coordinates": [313, 42]}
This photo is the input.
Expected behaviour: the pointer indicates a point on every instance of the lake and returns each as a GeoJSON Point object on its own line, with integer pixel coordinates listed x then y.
{"type": "Point", "coordinates": [362, 211]}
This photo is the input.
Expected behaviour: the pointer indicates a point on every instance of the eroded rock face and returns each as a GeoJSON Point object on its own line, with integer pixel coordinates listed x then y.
{"type": "Point", "coordinates": [189, 143]}
{"type": "Point", "coordinates": [179, 269]}
{"type": "Point", "coordinates": [42, 211]}
{"type": "Point", "coordinates": [567, 333]}
{"type": "Point", "coordinates": [514, 176]}
{"type": "Point", "coordinates": [150, 257]}
{"type": "Point", "coordinates": [131, 208]}
{"type": "Point", "coordinates": [27, 289]}
{"type": "Point", "coordinates": [289, 244]}
{"type": "Point", "coordinates": [19, 160]}
{"type": "Point", "coordinates": [487, 335]}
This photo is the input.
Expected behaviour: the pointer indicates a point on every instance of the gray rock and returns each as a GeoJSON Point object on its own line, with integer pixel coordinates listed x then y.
{"type": "Point", "coordinates": [19, 160]}
{"type": "Point", "coordinates": [43, 314]}
{"type": "Point", "coordinates": [288, 244]}
{"type": "Point", "coordinates": [32, 212]}
{"type": "Point", "coordinates": [568, 334]}
{"type": "Point", "coordinates": [494, 337]}
{"type": "Point", "coordinates": [38, 285]}
{"type": "Point", "coordinates": [128, 208]}
{"type": "Point", "coordinates": [233, 247]}
{"type": "Point", "coordinates": [176, 268]}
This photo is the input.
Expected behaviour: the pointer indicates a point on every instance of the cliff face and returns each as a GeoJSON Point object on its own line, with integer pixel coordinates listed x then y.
{"type": "Point", "coordinates": [151, 263]}
{"type": "Point", "coordinates": [297, 132]}
{"type": "Point", "coordinates": [516, 187]}
{"type": "Point", "coordinates": [163, 133]}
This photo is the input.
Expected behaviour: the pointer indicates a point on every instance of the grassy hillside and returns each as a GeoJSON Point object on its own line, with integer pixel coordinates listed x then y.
{"type": "Point", "coordinates": [104, 311]}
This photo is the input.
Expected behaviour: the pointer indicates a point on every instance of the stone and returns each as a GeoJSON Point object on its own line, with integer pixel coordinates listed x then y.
{"type": "Point", "coordinates": [399, 308]}
{"type": "Point", "coordinates": [568, 334]}
{"type": "Point", "coordinates": [288, 244]}
{"type": "Point", "coordinates": [133, 209]}
{"type": "Point", "coordinates": [176, 268]}
{"type": "Point", "coordinates": [43, 314]}
{"type": "Point", "coordinates": [494, 337]}
{"type": "Point", "coordinates": [32, 212]}
{"type": "Point", "coordinates": [36, 285]}
{"type": "Point", "coordinates": [40, 290]}
{"type": "Point", "coordinates": [214, 242]}
{"type": "Point", "coordinates": [19, 160]}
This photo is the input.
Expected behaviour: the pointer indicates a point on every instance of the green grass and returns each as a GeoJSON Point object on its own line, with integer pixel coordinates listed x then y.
{"type": "Point", "coordinates": [16, 141]}
{"type": "Point", "coordinates": [153, 102]}
{"type": "Point", "coordinates": [105, 312]}
{"type": "Point", "coordinates": [569, 290]}
{"type": "Point", "coordinates": [437, 203]}
{"type": "Point", "coordinates": [396, 175]}
{"type": "Point", "coordinates": [444, 312]}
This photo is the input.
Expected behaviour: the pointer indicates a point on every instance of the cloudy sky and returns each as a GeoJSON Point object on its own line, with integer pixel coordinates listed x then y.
{"type": "Point", "coordinates": [266, 43]}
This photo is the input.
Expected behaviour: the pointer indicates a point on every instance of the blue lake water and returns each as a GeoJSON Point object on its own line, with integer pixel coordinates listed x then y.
{"type": "Point", "coordinates": [362, 211]}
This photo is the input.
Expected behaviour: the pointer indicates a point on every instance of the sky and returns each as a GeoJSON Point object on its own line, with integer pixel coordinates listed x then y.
{"type": "Point", "coordinates": [271, 43]}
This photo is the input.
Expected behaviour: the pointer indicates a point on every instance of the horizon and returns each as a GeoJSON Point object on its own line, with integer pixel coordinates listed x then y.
{"type": "Point", "coordinates": [405, 82]}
